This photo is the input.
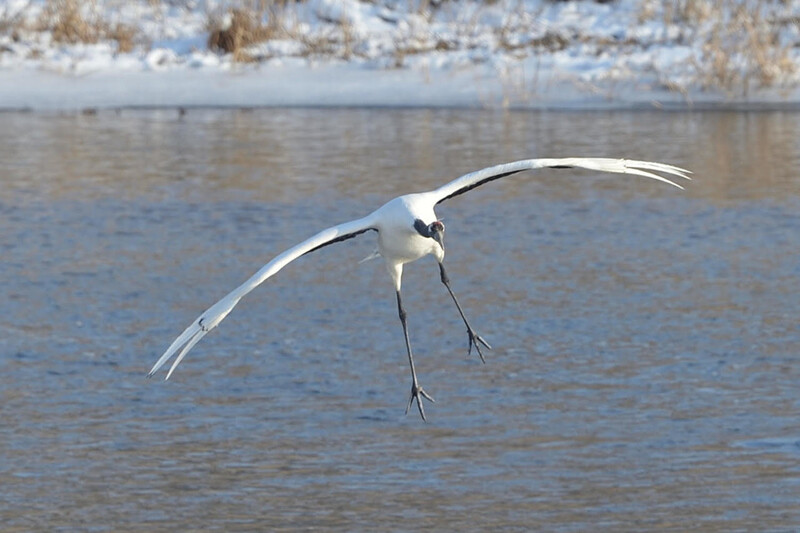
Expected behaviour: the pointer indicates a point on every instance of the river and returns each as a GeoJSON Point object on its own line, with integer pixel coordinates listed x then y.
{"type": "Point", "coordinates": [646, 340]}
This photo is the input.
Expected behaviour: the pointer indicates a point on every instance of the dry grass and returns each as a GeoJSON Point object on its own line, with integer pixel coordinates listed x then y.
{"type": "Point", "coordinates": [67, 22]}
{"type": "Point", "coordinates": [236, 30]}
{"type": "Point", "coordinates": [73, 21]}
{"type": "Point", "coordinates": [11, 21]}
{"type": "Point", "coordinates": [745, 50]}
{"type": "Point", "coordinates": [252, 22]}
{"type": "Point", "coordinates": [739, 41]}
{"type": "Point", "coordinates": [331, 43]}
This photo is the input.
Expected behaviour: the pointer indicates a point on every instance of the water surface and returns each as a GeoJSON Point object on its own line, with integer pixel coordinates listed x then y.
{"type": "Point", "coordinates": [645, 364]}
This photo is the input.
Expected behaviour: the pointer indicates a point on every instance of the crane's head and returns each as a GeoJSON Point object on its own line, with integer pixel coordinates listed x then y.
{"type": "Point", "coordinates": [434, 230]}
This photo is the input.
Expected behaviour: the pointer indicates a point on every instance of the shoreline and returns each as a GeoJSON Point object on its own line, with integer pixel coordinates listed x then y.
{"type": "Point", "coordinates": [346, 86]}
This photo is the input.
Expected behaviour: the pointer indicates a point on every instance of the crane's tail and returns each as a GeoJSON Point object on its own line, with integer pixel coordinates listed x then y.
{"type": "Point", "coordinates": [196, 331]}
{"type": "Point", "coordinates": [374, 255]}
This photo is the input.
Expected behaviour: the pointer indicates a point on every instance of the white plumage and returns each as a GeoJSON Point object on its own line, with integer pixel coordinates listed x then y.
{"type": "Point", "coordinates": [407, 230]}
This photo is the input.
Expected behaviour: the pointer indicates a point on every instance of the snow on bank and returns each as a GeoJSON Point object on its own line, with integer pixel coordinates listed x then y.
{"type": "Point", "coordinates": [509, 53]}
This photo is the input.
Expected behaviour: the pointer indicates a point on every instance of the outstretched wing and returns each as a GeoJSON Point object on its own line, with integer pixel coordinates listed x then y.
{"type": "Point", "coordinates": [214, 315]}
{"type": "Point", "coordinates": [646, 169]}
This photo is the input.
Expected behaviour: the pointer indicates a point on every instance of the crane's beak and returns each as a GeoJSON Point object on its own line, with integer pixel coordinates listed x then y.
{"type": "Point", "coordinates": [437, 232]}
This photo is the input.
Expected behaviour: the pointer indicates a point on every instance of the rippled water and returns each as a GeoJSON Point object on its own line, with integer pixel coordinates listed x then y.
{"type": "Point", "coordinates": [645, 371]}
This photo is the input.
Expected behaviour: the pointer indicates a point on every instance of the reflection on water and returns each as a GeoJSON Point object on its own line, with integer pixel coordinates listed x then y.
{"type": "Point", "coordinates": [645, 368]}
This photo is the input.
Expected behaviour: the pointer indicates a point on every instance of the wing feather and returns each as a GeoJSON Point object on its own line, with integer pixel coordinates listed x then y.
{"type": "Point", "coordinates": [217, 312]}
{"type": "Point", "coordinates": [645, 169]}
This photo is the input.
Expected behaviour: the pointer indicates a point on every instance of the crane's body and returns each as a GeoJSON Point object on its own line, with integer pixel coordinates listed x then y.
{"type": "Point", "coordinates": [399, 242]}
{"type": "Point", "coordinates": [407, 229]}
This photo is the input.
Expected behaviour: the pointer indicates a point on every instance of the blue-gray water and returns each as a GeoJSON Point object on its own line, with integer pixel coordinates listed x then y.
{"type": "Point", "coordinates": [645, 367]}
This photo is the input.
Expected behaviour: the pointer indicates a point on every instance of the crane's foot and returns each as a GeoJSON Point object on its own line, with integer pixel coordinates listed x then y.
{"type": "Point", "coordinates": [476, 341]}
{"type": "Point", "coordinates": [417, 394]}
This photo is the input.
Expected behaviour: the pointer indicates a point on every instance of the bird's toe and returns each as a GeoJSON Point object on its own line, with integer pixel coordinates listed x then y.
{"type": "Point", "coordinates": [417, 393]}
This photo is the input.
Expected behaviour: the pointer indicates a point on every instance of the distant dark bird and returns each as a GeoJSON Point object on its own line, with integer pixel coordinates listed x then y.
{"type": "Point", "coordinates": [407, 230]}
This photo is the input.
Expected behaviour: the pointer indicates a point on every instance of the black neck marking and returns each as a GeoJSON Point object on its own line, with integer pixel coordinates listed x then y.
{"type": "Point", "coordinates": [422, 228]}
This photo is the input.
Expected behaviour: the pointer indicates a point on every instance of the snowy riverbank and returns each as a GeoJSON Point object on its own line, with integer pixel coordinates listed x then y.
{"type": "Point", "coordinates": [528, 54]}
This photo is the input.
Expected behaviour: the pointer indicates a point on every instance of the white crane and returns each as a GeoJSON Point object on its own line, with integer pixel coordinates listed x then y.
{"type": "Point", "coordinates": [407, 230]}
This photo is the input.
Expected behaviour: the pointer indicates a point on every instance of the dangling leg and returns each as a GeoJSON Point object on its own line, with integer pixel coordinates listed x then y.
{"type": "Point", "coordinates": [474, 339]}
{"type": "Point", "coordinates": [416, 390]}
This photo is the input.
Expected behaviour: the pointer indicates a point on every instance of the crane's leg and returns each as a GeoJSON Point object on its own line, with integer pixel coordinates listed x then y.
{"type": "Point", "coordinates": [416, 391]}
{"type": "Point", "coordinates": [474, 339]}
